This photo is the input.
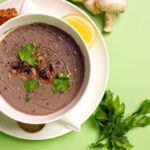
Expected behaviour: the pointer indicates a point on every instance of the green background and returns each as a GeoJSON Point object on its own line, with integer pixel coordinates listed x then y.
{"type": "Point", "coordinates": [129, 53]}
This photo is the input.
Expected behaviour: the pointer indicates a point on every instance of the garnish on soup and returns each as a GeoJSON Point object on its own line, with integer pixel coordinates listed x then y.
{"type": "Point", "coordinates": [61, 83]}
{"type": "Point", "coordinates": [31, 65]}
{"type": "Point", "coordinates": [27, 99]}
{"type": "Point", "coordinates": [31, 85]}
{"type": "Point", "coordinates": [27, 54]}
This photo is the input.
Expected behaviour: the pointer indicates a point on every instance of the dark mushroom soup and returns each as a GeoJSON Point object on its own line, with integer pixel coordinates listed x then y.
{"type": "Point", "coordinates": [41, 69]}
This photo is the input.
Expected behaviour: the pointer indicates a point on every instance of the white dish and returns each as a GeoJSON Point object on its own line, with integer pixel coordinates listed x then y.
{"type": "Point", "coordinates": [97, 85]}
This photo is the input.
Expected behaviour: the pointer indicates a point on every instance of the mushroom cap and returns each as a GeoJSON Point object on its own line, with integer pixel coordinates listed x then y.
{"type": "Point", "coordinates": [116, 6]}
{"type": "Point", "coordinates": [91, 6]}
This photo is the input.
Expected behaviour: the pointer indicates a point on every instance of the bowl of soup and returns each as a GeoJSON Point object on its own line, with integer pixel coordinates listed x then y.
{"type": "Point", "coordinates": [44, 68]}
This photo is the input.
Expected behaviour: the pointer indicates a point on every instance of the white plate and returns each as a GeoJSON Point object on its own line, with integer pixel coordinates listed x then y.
{"type": "Point", "coordinates": [97, 86]}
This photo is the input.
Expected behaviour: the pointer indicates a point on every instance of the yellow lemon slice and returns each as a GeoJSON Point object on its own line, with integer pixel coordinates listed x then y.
{"type": "Point", "coordinates": [83, 26]}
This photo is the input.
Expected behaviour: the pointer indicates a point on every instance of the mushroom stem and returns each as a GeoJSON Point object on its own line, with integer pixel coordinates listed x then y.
{"type": "Point", "coordinates": [109, 21]}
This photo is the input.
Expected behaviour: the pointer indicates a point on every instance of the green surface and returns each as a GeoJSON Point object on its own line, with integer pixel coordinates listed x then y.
{"type": "Point", "coordinates": [129, 52]}
{"type": "Point", "coordinates": [2, 1]}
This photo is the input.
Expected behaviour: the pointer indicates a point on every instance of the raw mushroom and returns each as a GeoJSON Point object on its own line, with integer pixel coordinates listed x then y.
{"type": "Point", "coordinates": [109, 21]}
{"type": "Point", "coordinates": [110, 7]}
{"type": "Point", "coordinates": [91, 6]}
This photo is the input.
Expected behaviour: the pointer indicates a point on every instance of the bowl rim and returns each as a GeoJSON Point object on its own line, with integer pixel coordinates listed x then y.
{"type": "Point", "coordinates": [33, 118]}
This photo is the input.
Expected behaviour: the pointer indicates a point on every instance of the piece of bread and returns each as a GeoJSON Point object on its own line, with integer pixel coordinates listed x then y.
{"type": "Point", "coordinates": [6, 14]}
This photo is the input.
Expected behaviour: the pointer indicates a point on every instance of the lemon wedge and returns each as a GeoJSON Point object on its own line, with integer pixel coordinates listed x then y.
{"type": "Point", "coordinates": [83, 26]}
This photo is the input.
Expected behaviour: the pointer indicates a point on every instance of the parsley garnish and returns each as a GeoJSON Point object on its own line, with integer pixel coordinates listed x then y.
{"type": "Point", "coordinates": [61, 83]}
{"type": "Point", "coordinates": [114, 126]}
{"type": "Point", "coordinates": [31, 85]}
{"type": "Point", "coordinates": [27, 99]}
{"type": "Point", "coordinates": [26, 54]}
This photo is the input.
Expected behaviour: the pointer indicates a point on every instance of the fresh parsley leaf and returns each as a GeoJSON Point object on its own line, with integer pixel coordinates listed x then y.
{"type": "Point", "coordinates": [113, 125]}
{"type": "Point", "coordinates": [98, 144]}
{"type": "Point", "coordinates": [143, 121]}
{"type": "Point", "coordinates": [61, 83]}
{"type": "Point", "coordinates": [144, 108]}
{"type": "Point", "coordinates": [121, 143]}
{"type": "Point", "coordinates": [26, 54]}
{"type": "Point", "coordinates": [31, 85]}
{"type": "Point", "coordinates": [27, 99]}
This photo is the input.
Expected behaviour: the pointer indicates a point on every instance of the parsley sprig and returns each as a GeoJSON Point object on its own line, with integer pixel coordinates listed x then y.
{"type": "Point", "coordinates": [113, 125]}
{"type": "Point", "coordinates": [27, 99]}
{"type": "Point", "coordinates": [26, 54]}
{"type": "Point", "coordinates": [61, 83]}
{"type": "Point", "coordinates": [30, 86]}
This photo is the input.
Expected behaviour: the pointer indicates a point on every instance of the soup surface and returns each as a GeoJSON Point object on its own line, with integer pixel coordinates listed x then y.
{"type": "Point", "coordinates": [41, 69]}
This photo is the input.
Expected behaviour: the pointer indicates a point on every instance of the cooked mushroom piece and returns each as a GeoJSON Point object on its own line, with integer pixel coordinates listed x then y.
{"type": "Point", "coordinates": [45, 75]}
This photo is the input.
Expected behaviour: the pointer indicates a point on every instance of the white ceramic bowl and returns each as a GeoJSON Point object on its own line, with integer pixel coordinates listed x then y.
{"type": "Point", "coordinates": [32, 18]}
